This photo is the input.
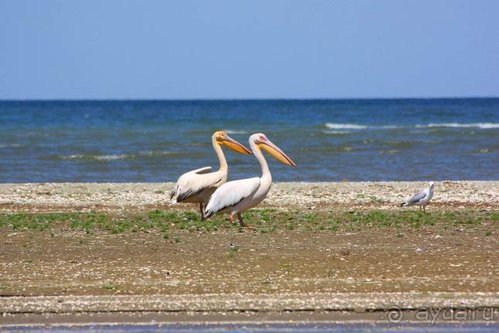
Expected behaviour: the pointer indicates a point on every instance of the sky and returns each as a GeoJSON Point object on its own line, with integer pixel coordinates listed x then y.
{"type": "Point", "coordinates": [118, 49]}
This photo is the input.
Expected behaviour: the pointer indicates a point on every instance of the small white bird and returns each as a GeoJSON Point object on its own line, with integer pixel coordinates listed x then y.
{"type": "Point", "coordinates": [421, 198]}
{"type": "Point", "coordinates": [198, 185]}
{"type": "Point", "coordinates": [239, 195]}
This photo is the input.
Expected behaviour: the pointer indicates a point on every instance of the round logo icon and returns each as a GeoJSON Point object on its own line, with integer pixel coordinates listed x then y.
{"type": "Point", "coordinates": [395, 315]}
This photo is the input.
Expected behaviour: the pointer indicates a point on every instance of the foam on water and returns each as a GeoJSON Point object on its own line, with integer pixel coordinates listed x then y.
{"type": "Point", "coordinates": [459, 125]}
{"type": "Point", "coordinates": [336, 132]}
{"type": "Point", "coordinates": [229, 131]}
{"type": "Point", "coordinates": [113, 157]}
{"type": "Point", "coordinates": [345, 126]}
{"type": "Point", "coordinates": [13, 145]}
{"type": "Point", "coordinates": [430, 125]}
{"type": "Point", "coordinates": [94, 157]}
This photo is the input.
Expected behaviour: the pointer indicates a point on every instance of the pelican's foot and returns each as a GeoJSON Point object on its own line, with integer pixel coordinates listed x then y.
{"type": "Point", "coordinates": [248, 226]}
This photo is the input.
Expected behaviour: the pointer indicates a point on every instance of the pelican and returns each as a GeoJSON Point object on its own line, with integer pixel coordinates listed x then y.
{"type": "Point", "coordinates": [239, 195]}
{"type": "Point", "coordinates": [421, 198]}
{"type": "Point", "coordinates": [198, 185]}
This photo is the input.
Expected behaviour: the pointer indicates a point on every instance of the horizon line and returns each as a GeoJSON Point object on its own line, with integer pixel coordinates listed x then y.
{"type": "Point", "coordinates": [201, 99]}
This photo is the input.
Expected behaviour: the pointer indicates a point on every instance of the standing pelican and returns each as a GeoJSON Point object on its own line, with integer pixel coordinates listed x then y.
{"type": "Point", "coordinates": [421, 198]}
{"type": "Point", "coordinates": [198, 185]}
{"type": "Point", "coordinates": [239, 195]}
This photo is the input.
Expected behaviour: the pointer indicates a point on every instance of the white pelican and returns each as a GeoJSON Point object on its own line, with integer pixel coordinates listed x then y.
{"type": "Point", "coordinates": [239, 195]}
{"type": "Point", "coordinates": [198, 185]}
{"type": "Point", "coordinates": [421, 198]}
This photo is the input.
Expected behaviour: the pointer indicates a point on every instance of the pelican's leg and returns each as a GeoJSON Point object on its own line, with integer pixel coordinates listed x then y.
{"type": "Point", "coordinates": [244, 225]}
{"type": "Point", "coordinates": [424, 208]}
{"type": "Point", "coordinates": [201, 209]}
{"type": "Point", "coordinates": [241, 221]}
{"type": "Point", "coordinates": [231, 218]}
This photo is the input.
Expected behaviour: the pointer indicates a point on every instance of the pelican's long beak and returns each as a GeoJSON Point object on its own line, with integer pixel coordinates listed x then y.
{"type": "Point", "coordinates": [275, 151]}
{"type": "Point", "coordinates": [235, 146]}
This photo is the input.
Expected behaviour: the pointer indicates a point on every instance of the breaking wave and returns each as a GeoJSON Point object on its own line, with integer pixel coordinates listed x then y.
{"type": "Point", "coordinates": [113, 157]}
{"type": "Point", "coordinates": [228, 131]}
{"type": "Point", "coordinates": [337, 126]}
{"type": "Point", "coordinates": [461, 125]}
{"type": "Point", "coordinates": [336, 132]}
{"type": "Point", "coordinates": [345, 126]}
{"type": "Point", "coordinates": [10, 145]}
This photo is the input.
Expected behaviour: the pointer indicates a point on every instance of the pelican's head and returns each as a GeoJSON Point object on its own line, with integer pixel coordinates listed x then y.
{"type": "Point", "coordinates": [263, 142]}
{"type": "Point", "coordinates": [432, 184]}
{"type": "Point", "coordinates": [222, 138]}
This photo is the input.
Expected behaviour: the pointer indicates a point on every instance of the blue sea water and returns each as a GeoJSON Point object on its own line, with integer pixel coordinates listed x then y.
{"type": "Point", "coordinates": [330, 140]}
{"type": "Point", "coordinates": [271, 328]}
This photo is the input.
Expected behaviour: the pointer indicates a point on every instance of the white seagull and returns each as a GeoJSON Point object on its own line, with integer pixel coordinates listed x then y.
{"type": "Point", "coordinates": [198, 185]}
{"type": "Point", "coordinates": [239, 195]}
{"type": "Point", "coordinates": [421, 198]}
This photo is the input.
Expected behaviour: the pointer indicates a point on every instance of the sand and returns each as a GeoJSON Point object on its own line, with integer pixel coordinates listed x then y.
{"type": "Point", "coordinates": [62, 271]}
{"type": "Point", "coordinates": [343, 195]}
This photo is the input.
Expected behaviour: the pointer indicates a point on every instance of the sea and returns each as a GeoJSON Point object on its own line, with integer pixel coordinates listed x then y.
{"type": "Point", "coordinates": [289, 327]}
{"type": "Point", "coordinates": [330, 140]}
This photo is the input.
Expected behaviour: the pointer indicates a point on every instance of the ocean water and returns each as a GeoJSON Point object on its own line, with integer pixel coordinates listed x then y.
{"type": "Point", "coordinates": [270, 327]}
{"type": "Point", "coordinates": [330, 140]}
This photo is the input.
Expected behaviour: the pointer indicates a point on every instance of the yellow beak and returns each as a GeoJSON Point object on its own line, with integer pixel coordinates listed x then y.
{"type": "Point", "coordinates": [235, 146]}
{"type": "Point", "coordinates": [275, 151]}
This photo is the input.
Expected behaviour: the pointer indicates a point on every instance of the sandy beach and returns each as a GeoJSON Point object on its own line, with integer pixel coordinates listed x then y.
{"type": "Point", "coordinates": [334, 250]}
{"type": "Point", "coordinates": [60, 197]}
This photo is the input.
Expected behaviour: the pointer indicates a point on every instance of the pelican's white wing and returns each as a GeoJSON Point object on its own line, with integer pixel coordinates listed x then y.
{"type": "Point", "coordinates": [199, 171]}
{"type": "Point", "coordinates": [231, 193]}
{"type": "Point", "coordinates": [195, 181]}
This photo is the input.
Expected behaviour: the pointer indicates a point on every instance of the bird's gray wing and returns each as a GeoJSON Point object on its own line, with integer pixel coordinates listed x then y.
{"type": "Point", "coordinates": [417, 197]}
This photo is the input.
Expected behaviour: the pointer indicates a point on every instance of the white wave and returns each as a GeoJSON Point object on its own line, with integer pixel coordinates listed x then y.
{"type": "Point", "coordinates": [228, 131]}
{"type": "Point", "coordinates": [345, 126]}
{"type": "Point", "coordinates": [114, 157]}
{"type": "Point", "coordinates": [110, 157]}
{"type": "Point", "coordinates": [95, 157]}
{"type": "Point", "coordinates": [12, 145]}
{"type": "Point", "coordinates": [71, 157]}
{"type": "Point", "coordinates": [336, 132]}
{"type": "Point", "coordinates": [389, 127]}
{"type": "Point", "coordinates": [154, 153]}
{"type": "Point", "coordinates": [337, 126]}
{"type": "Point", "coordinates": [461, 125]}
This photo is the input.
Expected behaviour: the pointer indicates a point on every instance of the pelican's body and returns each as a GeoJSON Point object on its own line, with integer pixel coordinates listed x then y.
{"type": "Point", "coordinates": [239, 195]}
{"type": "Point", "coordinates": [198, 185]}
{"type": "Point", "coordinates": [422, 198]}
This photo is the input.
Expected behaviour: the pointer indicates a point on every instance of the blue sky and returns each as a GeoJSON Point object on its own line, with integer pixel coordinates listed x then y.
{"type": "Point", "coordinates": [248, 49]}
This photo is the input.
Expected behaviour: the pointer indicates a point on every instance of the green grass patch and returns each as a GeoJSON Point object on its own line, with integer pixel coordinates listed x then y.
{"type": "Point", "coordinates": [264, 220]}
{"type": "Point", "coordinates": [110, 286]}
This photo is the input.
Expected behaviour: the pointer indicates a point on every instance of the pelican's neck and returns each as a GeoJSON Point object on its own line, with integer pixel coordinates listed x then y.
{"type": "Point", "coordinates": [263, 162]}
{"type": "Point", "coordinates": [221, 156]}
